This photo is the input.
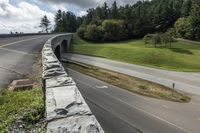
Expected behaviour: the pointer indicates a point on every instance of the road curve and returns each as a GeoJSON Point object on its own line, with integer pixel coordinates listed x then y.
{"type": "Point", "coordinates": [120, 111]}
{"type": "Point", "coordinates": [18, 56]}
{"type": "Point", "coordinates": [187, 82]}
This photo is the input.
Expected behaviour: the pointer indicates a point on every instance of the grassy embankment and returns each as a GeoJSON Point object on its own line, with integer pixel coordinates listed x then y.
{"type": "Point", "coordinates": [26, 106]}
{"type": "Point", "coordinates": [183, 56]}
{"type": "Point", "coordinates": [129, 83]}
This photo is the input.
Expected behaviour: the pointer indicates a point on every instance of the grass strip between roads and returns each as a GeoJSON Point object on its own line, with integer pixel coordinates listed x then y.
{"type": "Point", "coordinates": [129, 83]}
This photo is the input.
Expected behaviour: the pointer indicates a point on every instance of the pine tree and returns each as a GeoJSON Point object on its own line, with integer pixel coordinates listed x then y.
{"type": "Point", "coordinates": [45, 23]}
{"type": "Point", "coordinates": [114, 10]}
{"type": "Point", "coordinates": [59, 21]}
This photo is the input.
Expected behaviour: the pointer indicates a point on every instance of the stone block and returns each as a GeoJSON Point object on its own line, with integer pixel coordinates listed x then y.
{"type": "Point", "coordinates": [65, 101]}
{"type": "Point", "coordinates": [75, 124]}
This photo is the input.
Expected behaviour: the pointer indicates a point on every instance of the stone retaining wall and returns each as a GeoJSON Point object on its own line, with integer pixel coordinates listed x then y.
{"type": "Point", "coordinates": [66, 110]}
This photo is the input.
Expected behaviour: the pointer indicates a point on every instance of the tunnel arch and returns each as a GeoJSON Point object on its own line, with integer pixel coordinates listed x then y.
{"type": "Point", "coordinates": [64, 46]}
{"type": "Point", "coordinates": [57, 52]}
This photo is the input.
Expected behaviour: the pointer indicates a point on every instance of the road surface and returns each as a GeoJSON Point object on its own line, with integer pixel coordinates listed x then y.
{"type": "Point", "coordinates": [120, 111]}
{"type": "Point", "coordinates": [187, 82]}
{"type": "Point", "coordinates": [18, 56]}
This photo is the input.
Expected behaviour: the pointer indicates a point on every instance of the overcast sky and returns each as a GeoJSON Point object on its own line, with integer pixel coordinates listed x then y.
{"type": "Point", "coordinates": [24, 15]}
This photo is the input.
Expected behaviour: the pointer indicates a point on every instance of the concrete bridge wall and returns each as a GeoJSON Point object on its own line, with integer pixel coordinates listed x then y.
{"type": "Point", "coordinates": [66, 110]}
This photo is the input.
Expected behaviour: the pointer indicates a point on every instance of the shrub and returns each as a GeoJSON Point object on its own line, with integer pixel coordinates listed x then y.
{"type": "Point", "coordinates": [114, 30]}
{"type": "Point", "coordinates": [183, 28]}
{"type": "Point", "coordinates": [94, 33]}
{"type": "Point", "coordinates": [156, 39]}
{"type": "Point", "coordinates": [147, 38]}
{"type": "Point", "coordinates": [81, 31]}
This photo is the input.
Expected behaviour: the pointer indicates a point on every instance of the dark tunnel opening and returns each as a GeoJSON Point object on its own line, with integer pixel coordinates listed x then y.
{"type": "Point", "coordinates": [57, 52]}
{"type": "Point", "coordinates": [64, 46]}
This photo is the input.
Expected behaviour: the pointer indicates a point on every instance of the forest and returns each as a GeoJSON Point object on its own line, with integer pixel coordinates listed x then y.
{"type": "Point", "coordinates": [115, 23]}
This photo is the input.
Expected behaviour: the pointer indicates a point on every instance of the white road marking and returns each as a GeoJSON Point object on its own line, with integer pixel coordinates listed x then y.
{"type": "Point", "coordinates": [16, 51]}
{"type": "Point", "coordinates": [8, 44]}
{"type": "Point", "coordinates": [101, 87]}
{"type": "Point", "coordinates": [165, 106]}
{"type": "Point", "coordinates": [137, 108]}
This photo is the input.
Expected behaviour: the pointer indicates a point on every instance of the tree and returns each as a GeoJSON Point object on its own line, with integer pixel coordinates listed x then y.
{"type": "Point", "coordinates": [105, 11]}
{"type": "Point", "coordinates": [183, 28]}
{"type": "Point", "coordinates": [70, 24]}
{"type": "Point", "coordinates": [114, 10]}
{"type": "Point", "coordinates": [156, 39]}
{"type": "Point", "coordinates": [186, 8]}
{"type": "Point", "coordinates": [59, 22]}
{"type": "Point", "coordinates": [45, 23]}
{"type": "Point", "coordinates": [195, 19]}
{"type": "Point", "coordinates": [167, 38]}
{"type": "Point", "coordinates": [81, 32]}
{"type": "Point", "coordinates": [66, 22]}
{"type": "Point", "coordinates": [147, 17]}
{"type": "Point", "coordinates": [147, 39]}
{"type": "Point", "coordinates": [114, 30]}
{"type": "Point", "coordinates": [94, 33]}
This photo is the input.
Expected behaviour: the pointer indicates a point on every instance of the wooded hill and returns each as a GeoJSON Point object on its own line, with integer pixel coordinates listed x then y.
{"type": "Point", "coordinates": [113, 23]}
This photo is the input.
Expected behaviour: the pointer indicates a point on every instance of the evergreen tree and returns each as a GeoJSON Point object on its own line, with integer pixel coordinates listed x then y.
{"type": "Point", "coordinates": [59, 21]}
{"type": "Point", "coordinates": [114, 10]}
{"type": "Point", "coordinates": [44, 24]}
{"type": "Point", "coordinates": [195, 19]}
{"type": "Point", "coordinates": [186, 8]}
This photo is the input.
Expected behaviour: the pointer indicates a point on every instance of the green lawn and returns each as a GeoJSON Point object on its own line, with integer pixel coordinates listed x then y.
{"type": "Point", "coordinates": [183, 56]}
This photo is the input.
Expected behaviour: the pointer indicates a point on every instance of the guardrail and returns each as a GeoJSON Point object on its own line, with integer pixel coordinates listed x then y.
{"type": "Point", "coordinates": [24, 34]}
{"type": "Point", "coordinates": [66, 110]}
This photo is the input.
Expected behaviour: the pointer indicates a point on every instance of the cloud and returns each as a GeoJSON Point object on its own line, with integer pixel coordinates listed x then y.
{"type": "Point", "coordinates": [82, 13]}
{"type": "Point", "coordinates": [84, 4]}
{"type": "Point", "coordinates": [79, 3]}
{"type": "Point", "coordinates": [23, 17]}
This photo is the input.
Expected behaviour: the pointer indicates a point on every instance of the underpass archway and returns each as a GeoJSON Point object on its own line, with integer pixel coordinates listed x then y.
{"type": "Point", "coordinates": [57, 52]}
{"type": "Point", "coordinates": [64, 46]}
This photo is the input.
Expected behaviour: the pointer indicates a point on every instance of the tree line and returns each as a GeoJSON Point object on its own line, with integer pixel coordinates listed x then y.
{"type": "Point", "coordinates": [113, 23]}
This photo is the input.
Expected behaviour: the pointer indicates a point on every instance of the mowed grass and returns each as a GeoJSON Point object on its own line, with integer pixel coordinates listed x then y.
{"type": "Point", "coordinates": [27, 106]}
{"type": "Point", "coordinates": [183, 56]}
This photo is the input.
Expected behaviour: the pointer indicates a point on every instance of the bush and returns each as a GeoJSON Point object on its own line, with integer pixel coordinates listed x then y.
{"type": "Point", "coordinates": [183, 28]}
{"type": "Point", "coordinates": [94, 33]}
{"type": "Point", "coordinates": [109, 30]}
{"type": "Point", "coordinates": [114, 30]}
{"type": "Point", "coordinates": [81, 32]}
{"type": "Point", "coordinates": [147, 38]}
{"type": "Point", "coordinates": [156, 39]}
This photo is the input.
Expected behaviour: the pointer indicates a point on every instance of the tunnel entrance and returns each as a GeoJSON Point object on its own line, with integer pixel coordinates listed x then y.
{"type": "Point", "coordinates": [64, 46]}
{"type": "Point", "coordinates": [57, 52]}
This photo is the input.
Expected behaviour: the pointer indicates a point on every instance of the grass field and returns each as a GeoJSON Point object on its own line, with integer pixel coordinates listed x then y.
{"type": "Point", "coordinates": [183, 56]}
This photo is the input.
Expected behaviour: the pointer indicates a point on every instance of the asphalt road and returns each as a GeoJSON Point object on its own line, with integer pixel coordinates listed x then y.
{"type": "Point", "coordinates": [18, 56]}
{"type": "Point", "coordinates": [120, 111]}
{"type": "Point", "coordinates": [187, 82]}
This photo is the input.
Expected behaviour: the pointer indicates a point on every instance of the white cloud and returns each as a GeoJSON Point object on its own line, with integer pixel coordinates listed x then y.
{"type": "Point", "coordinates": [24, 17]}
{"type": "Point", "coordinates": [56, 7]}
{"type": "Point", "coordinates": [84, 4]}
{"type": "Point", "coordinates": [82, 13]}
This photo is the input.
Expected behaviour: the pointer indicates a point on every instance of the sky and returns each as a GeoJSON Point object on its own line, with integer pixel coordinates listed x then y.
{"type": "Point", "coordinates": [25, 15]}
